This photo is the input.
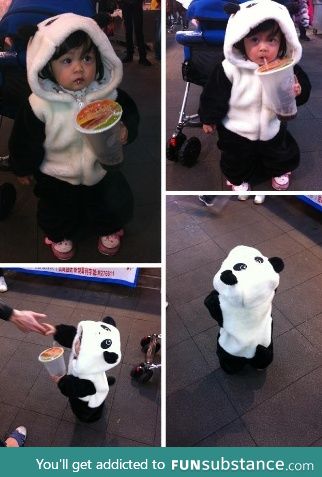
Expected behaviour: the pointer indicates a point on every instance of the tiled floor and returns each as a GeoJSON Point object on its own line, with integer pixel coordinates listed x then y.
{"type": "Point", "coordinates": [29, 397]}
{"type": "Point", "coordinates": [282, 405]}
{"type": "Point", "coordinates": [206, 175]}
{"type": "Point", "coordinates": [22, 241]}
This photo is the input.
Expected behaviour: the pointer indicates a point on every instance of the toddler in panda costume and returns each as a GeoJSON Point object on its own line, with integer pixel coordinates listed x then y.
{"type": "Point", "coordinates": [253, 141]}
{"type": "Point", "coordinates": [241, 303]}
{"type": "Point", "coordinates": [70, 63]}
{"type": "Point", "coordinates": [95, 349]}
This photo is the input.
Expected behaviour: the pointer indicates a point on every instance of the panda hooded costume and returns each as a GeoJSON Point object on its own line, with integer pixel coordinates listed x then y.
{"type": "Point", "coordinates": [250, 135]}
{"type": "Point", "coordinates": [241, 303]}
{"type": "Point", "coordinates": [95, 349]}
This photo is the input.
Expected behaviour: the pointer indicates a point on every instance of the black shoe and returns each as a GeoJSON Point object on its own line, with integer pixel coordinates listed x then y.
{"type": "Point", "coordinates": [127, 59]}
{"type": "Point", "coordinates": [208, 200]}
{"type": "Point", "coordinates": [7, 199]}
{"type": "Point", "coordinates": [145, 62]}
{"type": "Point", "coordinates": [305, 37]}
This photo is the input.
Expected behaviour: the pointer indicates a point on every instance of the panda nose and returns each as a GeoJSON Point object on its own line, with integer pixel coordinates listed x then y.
{"type": "Point", "coordinates": [228, 277]}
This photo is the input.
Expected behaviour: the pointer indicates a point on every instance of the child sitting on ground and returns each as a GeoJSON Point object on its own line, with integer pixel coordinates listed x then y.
{"type": "Point", "coordinates": [95, 349]}
{"type": "Point", "coordinates": [70, 62]}
{"type": "Point", "coordinates": [252, 139]}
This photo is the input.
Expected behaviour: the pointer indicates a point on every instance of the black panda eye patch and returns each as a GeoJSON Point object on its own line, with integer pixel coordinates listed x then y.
{"type": "Point", "coordinates": [106, 344]}
{"type": "Point", "coordinates": [105, 328]}
{"type": "Point", "coordinates": [259, 259]}
{"type": "Point", "coordinates": [240, 266]}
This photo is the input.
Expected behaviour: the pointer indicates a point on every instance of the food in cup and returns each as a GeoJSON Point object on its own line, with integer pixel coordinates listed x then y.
{"type": "Point", "coordinates": [51, 353]}
{"type": "Point", "coordinates": [275, 65]}
{"type": "Point", "coordinates": [101, 114]}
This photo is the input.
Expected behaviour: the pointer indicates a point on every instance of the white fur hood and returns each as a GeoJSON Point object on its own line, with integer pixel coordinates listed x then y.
{"type": "Point", "coordinates": [249, 15]}
{"type": "Point", "coordinates": [50, 34]}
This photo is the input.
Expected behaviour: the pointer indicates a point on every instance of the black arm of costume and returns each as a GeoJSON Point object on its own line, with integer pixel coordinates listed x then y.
{"type": "Point", "coordinates": [107, 6]}
{"type": "Point", "coordinates": [305, 85]}
{"type": "Point", "coordinates": [26, 142]}
{"type": "Point", "coordinates": [214, 99]}
{"type": "Point", "coordinates": [5, 311]}
{"type": "Point", "coordinates": [73, 387]}
{"type": "Point", "coordinates": [130, 116]}
{"type": "Point", "coordinates": [213, 305]}
{"type": "Point", "coordinates": [65, 335]}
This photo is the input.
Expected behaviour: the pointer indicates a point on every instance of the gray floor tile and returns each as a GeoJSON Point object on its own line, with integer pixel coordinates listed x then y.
{"type": "Point", "coordinates": [176, 329]}
{"type": "Point", "coordinates": [129, 420]}
{"type": "Point", "coordinates": [41, 429]}
{"type": "Point", "coordinates": [302, 302]}
{"type": "Point", "coordinates": [232, 435]}
{"type": "Point", "coordinates": [284, 420]}
{"type": "Point", "coordinates": [312, 330]}
{"type": "Point", "coordinates": [193, 412]}
{"type": "Point", "coordinates": [185, 365]}
{"type": "Point", "coordinates": [77, 435]}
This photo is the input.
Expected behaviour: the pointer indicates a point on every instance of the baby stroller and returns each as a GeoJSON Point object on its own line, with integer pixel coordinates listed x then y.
{"type": "Point", "coordinates": [203, 48]}
{"type": "Point", "coordinates": [150, 345]}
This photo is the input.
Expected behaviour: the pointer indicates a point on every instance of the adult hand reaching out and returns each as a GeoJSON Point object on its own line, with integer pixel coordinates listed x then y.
{"type": "Point", "coordinates": [28, 321]}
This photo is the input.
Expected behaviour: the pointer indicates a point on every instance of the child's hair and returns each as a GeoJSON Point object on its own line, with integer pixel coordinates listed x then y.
{"type": "Point", "coordinates": [75, 40]}
{"type": "Point", "coordinates": [268, 25]}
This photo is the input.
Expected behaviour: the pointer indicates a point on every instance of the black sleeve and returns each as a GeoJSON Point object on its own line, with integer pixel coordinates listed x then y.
{"type": "Point", "coordinates": [213, 305]}
{"type": "Point", "coordinates": [26, 142]}
{"type": "Point", "coordinates": [65, 335]}
{"type": "Point", "coordinates": [73, 387]}
{"type": "Point", "coordinates": [5, 311]}
{"type": "Point", "coordinates": [214, 99]}
{"type": "Point", "coordinates": [130, 116]}
{"type": "Point", "coordinates": [305, 85]}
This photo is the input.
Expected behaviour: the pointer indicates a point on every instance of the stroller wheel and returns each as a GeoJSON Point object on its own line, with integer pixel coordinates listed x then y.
{"type": "Point", "coordinates": [141, 374]}
{"type": "Point", "coordinates": [189, 152]}
{"type": "Point", "coordinates": [174, 144]}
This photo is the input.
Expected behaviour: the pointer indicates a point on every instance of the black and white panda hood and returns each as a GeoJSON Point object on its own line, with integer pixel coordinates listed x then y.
{"type": "Point", "coordinates": [50, 34]}
{"type": "Point", "coordinates": [248, 16]}
{"type": "Point", "coordinates": [246, 283]}
{"type": "Point", "coordinates": [100, 350]}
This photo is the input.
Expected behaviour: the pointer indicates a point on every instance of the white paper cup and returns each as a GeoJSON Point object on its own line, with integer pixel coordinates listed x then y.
{"type": "Point", "coordinates": [53, 360]}
{"type": "Point", "coordinates": [278, 85]}
{"type": "Point", "coordinates": [99, 123]}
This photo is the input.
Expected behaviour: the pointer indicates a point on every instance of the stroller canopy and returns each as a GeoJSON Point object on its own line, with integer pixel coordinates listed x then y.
{"type": "Point", "coordinates": [31, 12]}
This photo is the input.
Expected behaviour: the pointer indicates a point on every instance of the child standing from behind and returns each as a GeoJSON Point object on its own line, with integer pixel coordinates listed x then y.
{"type": "Point", "coordinates": [70, 62]}
{"type": "Point", "coordinates": [251, 137]}
{"type": "Point", "coordinates": [95, 349]}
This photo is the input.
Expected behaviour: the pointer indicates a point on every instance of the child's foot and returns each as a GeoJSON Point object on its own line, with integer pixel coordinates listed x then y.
{"type": "Point", "coordinates": [63, 250]}
{"type": "Point", "coordinates": [243, 197]}
{"type": "Point", "coordinates": [110, 244]}
{"type": "Point", "coordinates": [17, 438]}
{"type": "Point", "coordinates": [3, 285]}
{"type": "Point", "coordinates": [243, 187]}
{"type": "Point", "coordinates": [281, 182]}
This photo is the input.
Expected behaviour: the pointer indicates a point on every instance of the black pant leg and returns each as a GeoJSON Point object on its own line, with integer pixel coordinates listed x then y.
{"type": "Point", "coordinates": [58, 207]}
{"type": "Point", "coordinates": [280, 154]}
{"type": "Point", "coordinates": [229, 363]}
{"type": "Point", "coordinates": [238, 158]}
{"type": "Point", "coordinates": [138, 28]}
{"type": "Point", "coordinates": [109, 204]}
{"type": "Point", "coordinates": [127, 13]}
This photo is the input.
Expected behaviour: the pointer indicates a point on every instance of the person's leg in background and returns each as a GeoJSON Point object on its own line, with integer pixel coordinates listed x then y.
{"type": "Point", "coordinates": [3, 285]}
{"type": "Point", "coordinates": [127, 13]}
{"type": "Point", "coordinates": [138, 29]}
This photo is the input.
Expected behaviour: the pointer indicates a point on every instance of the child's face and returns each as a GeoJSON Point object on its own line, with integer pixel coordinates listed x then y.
{"type": "Point", "coordinates": [75, 70]}
{"type": "Point", "coordinates": [262, 46]}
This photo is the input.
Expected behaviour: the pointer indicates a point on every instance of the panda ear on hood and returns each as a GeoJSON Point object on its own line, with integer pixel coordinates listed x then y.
{"type": "Point", "coordinates": [110, 358]}
{"type": "Point", "coordinates": [277, 263]}
{"type": "Point", "coordinates": [25, 32]}
{"type": "Point", "coordinates": [109, 321]}
{"type": "Point", "coordinates": [231, 7]}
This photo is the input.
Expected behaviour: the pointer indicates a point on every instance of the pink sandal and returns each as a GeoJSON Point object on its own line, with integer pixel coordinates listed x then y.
{"type": "Point", "coordinates": [281, 182]}
{"type": "Point", "coordinates": [63, 250]}
{"type": "Point", "coordinates": [110, 244]}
